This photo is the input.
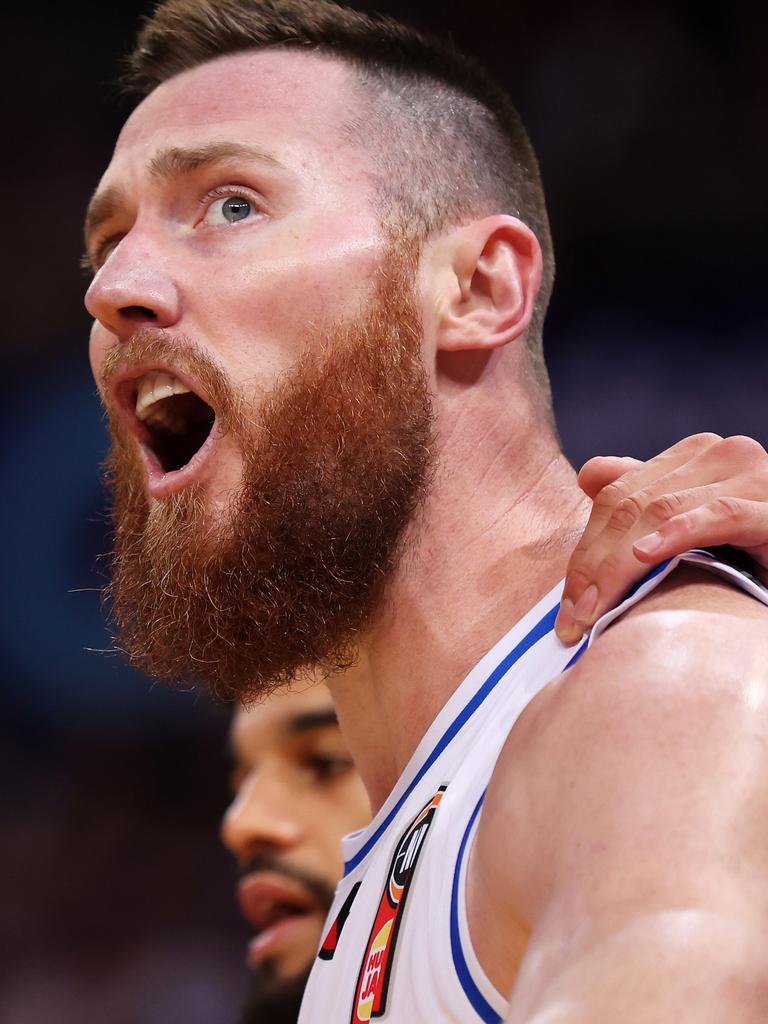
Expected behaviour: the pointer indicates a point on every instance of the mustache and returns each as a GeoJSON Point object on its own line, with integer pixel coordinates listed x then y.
{"type": "Point", "coordinates": [318, 887]}
{"type": "Point", "coordinates": [177, 351]}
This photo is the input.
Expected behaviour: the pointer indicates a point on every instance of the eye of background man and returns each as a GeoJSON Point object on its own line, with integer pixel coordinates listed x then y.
{"type": "Point", "coordinates": [320, 754]}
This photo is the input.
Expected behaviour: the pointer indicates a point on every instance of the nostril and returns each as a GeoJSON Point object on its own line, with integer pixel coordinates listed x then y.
{"type": "Point", "coordinates": [138, 313]}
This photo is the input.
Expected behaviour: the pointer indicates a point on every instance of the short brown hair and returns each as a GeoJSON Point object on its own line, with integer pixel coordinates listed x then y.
{"type": "Point", "coordinates": [448, 143]}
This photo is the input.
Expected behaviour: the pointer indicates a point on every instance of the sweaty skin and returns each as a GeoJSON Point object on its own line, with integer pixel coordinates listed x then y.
{"type": "Point", "coordinates": [637, 890]}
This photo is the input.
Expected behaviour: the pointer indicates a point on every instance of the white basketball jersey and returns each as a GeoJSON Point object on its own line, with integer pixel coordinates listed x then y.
{"type": "Point", "coordinates": [397, 944]}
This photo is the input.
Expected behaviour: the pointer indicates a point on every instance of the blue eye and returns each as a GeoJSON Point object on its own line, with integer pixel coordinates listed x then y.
{"type": "Point", "coordinates": [235, 208]}
{"type": "Point", "coordinates": [229, 208]}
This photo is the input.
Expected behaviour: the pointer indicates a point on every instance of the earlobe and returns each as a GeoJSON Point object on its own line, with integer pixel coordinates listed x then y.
{"type": "Point", "coordinates": [496, 263]}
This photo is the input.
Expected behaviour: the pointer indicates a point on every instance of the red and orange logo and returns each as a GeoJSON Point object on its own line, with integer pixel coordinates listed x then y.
{"type": "Point", "coordinates": [373, 979]}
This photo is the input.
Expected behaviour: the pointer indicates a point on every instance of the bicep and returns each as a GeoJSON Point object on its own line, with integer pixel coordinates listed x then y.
{"type": "Point", "coordinates": [643, 788]}
{"type": "Point", "coordinates": [665, 966]}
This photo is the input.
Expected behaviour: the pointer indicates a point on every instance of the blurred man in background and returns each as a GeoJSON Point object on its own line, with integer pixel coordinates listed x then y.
{"type": "Point", "coordinates": [296, 793]}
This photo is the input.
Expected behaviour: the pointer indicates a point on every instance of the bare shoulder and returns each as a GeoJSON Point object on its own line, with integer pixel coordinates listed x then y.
{"type": "Point", "coordinates": [694, 641]}
{"type": "Point", "coordinates": [695, 638]}
{"type": "Point", "coordinates": [643, 754]}
{"type": "Point", "coordinates": [623, 842]}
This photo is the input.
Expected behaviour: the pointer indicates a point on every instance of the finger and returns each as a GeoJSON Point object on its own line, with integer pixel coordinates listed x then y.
{"type": "Point", "coordinates": [602, 569]}
{"type": "Point", "coordinates": [611, 566]}
{"type": "Point", "coordinates": [639, 473]}
{"type": "Point", "coordinates": [615, 502]}
{"type": "Point", "coordinates": [603, 470]}
{"type": "Point", "coordinates": [724, 520]}
{"type": "Point", "coordinates": [734, 467]}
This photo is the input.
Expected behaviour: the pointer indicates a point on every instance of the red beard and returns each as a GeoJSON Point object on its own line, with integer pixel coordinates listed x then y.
{"type": "Point", "coordinates": [336, 460]}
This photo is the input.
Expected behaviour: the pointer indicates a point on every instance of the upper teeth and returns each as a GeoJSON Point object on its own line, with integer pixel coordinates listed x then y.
{"type": "Point", "coordinates": [154, 388]}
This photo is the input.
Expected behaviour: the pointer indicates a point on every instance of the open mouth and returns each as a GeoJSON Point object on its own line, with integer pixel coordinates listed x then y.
{"type": "Point", "coordinates": [178, 421]}
{"type": "Point", "coordinates": [276, 913]}
{"type": "Point", "coordinates": [282, 913]}
{"type": "Point", "coordinates": [267, 898]}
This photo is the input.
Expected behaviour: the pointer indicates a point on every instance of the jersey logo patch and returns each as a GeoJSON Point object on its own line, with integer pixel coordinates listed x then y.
{"type": "Point", "coordinates": [331, 940]}
{"type": "Point", "coordinates": [376, 967]}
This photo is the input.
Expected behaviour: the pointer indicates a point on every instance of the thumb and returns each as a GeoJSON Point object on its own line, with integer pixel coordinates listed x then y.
{"type": "Point", "coordinates": [603, 470]}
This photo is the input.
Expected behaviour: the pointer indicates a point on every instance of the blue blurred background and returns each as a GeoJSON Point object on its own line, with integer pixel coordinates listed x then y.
{"type": "Point", "coordinates": [650, 125]}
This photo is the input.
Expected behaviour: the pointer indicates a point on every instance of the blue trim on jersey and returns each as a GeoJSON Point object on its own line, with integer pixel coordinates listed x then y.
{"type": "Point", "coordinates": [651, 576]}
{"type": "Point", "coordinates": [631, 593]}
{"type": "Point", "coordinates": [579, 651]}
{"type": "Point", "coordinates": [542, 627]}
{"type": "Point", "coordinates": [480, 1004]}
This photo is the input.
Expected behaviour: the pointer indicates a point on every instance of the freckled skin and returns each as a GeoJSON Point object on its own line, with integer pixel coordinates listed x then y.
{"type": "Point", "coordinates": [247, 292]}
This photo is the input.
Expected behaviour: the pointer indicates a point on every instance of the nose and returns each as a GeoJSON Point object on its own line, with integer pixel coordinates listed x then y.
{"type": "Point", "coordinates": [133, 289]}
{"type": "Point", "coordinates": [262, 818]}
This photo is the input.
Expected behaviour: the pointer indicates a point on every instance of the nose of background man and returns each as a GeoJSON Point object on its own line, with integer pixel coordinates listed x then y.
{"type": "Point", "coordinates": [261, 819]}
{"type": "Point", "coordinates": [133, 289]}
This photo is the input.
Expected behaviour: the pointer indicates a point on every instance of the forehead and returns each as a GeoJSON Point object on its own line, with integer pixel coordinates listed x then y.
{"type": "Point", "coordinates": [294, 103]}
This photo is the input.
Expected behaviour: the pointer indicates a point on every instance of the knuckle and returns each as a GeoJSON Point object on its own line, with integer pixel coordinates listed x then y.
{"type": "Point", "coordinates": [626, 514]}
{"type": "Point", "coordinates": [705, 439]}
{"type": "Point", "coordinates": [725, 508]}
{"type": "Point", "coordinates": [697, 443]}
{"type": "Point", "coordinates": [610, 496]}
{"type": "Point", "coordinates": [741, 450]}
{"type": "Point", "coordinates": [665, 507]}
{"type": "Point", "coordinates": [684, 525]}
{"type": "Point", "coordinates": [580, 553]}
{"type": "Point", "coordinates": [579, 576]}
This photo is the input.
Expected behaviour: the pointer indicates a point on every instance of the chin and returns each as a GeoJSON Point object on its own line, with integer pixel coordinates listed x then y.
{"type": "Point", "coordinates": [274, 1000]}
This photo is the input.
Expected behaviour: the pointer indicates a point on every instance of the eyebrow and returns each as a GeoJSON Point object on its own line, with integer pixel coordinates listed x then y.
{"type": "Point", "coordinates": [169, 163]}
{"type": "Point", "coordinates": [309, 720]}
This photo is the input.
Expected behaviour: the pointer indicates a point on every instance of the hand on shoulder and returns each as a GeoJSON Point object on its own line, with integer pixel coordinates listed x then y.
{"type": "Point", "coordinates": [705, 490]}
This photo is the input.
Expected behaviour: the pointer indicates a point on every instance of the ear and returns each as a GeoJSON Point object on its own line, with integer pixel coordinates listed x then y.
{"type": "Point", "coordinates": [496, 273]}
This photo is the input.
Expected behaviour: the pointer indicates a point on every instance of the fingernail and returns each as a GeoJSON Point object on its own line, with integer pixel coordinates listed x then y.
{"type": "Point", "coordinates": [650, 543]}
{"type": "Point", "coordinates": [565, 623]}
{"type": "Point", "coordinates": [586, 605]}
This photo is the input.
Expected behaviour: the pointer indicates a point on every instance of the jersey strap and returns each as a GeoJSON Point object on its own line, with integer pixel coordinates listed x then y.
{"type": "Point", "coordinates": [540, 629]}
{"type": "Point", "coordinates": [488, 1005]}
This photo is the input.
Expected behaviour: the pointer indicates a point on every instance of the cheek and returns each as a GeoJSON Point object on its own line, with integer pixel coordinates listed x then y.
{"type": "Point", "coordinates": [311, 281]}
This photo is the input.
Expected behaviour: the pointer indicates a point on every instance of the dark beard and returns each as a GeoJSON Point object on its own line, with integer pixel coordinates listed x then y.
{"type": "Point", "coordinates": [336, 461]}
{"type": "Point", "coordinates": [274, 1000]}
{"type": "Point", "coordinates": [271, 1001]}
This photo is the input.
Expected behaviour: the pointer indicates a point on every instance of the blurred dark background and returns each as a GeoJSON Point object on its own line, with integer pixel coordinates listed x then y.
{"type": "Point", "coordinates": [650, 124]}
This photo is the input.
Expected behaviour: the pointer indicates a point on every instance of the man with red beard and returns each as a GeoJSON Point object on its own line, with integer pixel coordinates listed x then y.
{"type": "Point", "coordinates": [322, 267]}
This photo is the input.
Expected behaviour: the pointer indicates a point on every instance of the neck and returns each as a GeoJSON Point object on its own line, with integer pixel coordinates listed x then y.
{"type": "Point", "coordinates": [493, 536]}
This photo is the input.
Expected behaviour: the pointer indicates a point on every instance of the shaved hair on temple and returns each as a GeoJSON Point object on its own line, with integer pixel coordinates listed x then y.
{"type": "Point", "coordinates": [447, 144]}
